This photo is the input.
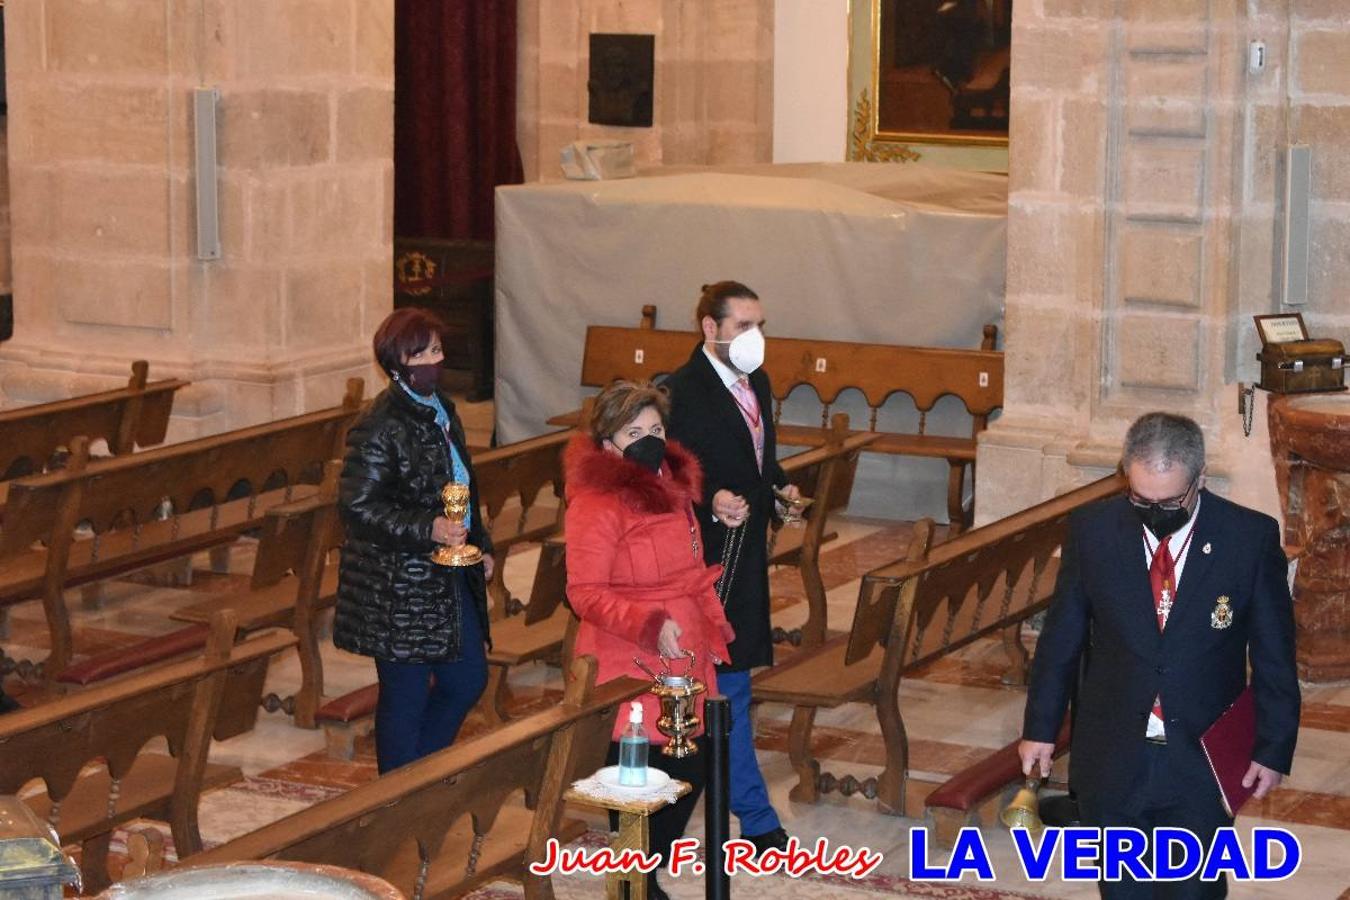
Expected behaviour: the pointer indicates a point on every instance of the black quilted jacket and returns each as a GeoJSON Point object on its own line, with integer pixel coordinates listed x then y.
{"type": "Point", "coordinates": [393, 602]}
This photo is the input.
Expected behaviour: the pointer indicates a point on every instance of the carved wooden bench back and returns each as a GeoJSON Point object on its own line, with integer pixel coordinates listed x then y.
{"type": "Point", "coordinates": [977, 583]}
{"type": "Point", "coordinates": [181, 702]}
{"type": "Point", "coordinates": [915, 611]}
{"type": "Point", "coordinates": [444, 824]}
{"type": "Point", "coordinates": [828, 367]}
{"type": "Point", "coordinates": [156, 505]}
{"type": "Point", "coordinates": [136, 415]}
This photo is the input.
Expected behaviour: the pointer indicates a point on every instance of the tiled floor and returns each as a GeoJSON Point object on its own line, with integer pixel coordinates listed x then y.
{"type": "Point", "coordinates": [955, 711]}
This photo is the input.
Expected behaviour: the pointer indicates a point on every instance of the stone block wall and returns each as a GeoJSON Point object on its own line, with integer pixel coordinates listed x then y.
{"type": "Point", "coordinates": [1145, 226]}
{"type": "Point", "coordinates": [102, 175]}
{"type": "Point", "coordinates": [713, 80]}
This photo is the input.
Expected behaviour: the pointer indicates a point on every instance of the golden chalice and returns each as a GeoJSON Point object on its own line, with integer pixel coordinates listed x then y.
{"type": "Point", "coordinates": [455, 496]}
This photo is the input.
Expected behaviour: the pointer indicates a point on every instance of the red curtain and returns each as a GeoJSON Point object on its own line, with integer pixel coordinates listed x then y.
{"type": "Point", "coordinates": [454, 115]}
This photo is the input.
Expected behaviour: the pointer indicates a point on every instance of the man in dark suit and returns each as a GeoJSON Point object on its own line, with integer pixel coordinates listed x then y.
{"type": "Point", "coordinates": [1165, 594]}
{"type": "Point", "coordinates": [721, 410]}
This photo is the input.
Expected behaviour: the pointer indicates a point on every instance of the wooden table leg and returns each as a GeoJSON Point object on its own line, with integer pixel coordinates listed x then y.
{"type": "Point", "coordinates": [632, 836]}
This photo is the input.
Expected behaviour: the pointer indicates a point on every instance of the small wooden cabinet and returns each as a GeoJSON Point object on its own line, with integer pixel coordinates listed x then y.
{"type": "Point", "coordinates": [454, 280]}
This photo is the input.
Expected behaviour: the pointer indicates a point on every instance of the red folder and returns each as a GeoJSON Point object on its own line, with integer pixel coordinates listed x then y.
{"type": "Point", "coordinates": [1228, 745]}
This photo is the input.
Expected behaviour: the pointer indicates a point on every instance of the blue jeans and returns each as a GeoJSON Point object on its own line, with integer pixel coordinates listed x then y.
{"type": "Point", "coordinates": [749, 796]}
{"type": "Point", "coordinates": [422, 705]}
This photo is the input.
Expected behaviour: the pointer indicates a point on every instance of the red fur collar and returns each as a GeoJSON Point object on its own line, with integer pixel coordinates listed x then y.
{"type": "Point", "coordinates": [590, 468]}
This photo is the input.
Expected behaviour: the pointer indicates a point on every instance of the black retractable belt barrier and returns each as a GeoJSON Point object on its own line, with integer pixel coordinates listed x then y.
{"type": "Point", "coordinates": [716, 800]}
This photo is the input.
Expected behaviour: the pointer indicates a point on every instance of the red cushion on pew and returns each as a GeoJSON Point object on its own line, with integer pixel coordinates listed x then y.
{"type": "Point", "coordinates": [153, 650]}
{"type": "Point", "coordinates": [349, 707]}
{"type": "Point", "coordinates": [969, 787]}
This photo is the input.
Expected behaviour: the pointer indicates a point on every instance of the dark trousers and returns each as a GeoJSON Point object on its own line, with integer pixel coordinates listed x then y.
{"type": "Point", "coordinates": [422, 705]}
{"type": "Point", "coordinates": [1160, 801]}
{"type": "Point", "coordinates": [666, 826]}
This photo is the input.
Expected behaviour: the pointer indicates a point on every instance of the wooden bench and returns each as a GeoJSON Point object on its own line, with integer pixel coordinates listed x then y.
{"type": "Point", "coordinates": [511, 482]}
{"type": "Point", "coordinates": [825, 474]}
{"type": "Point", "coordinates": [293, 581]}
{"type": "Point", "coordinates": [85, 524]}
{"type": "Point", "coordinates": [544, 633]}
{"type": "Point", "coordinates": [134, 416]}
{"type": "Point", "coordinates": [295, 578]}
{"type": "Point", "coordinates": [910, 613]}
{"type": "Point", "coordinates": [830, 367]}
{"type": "Point", "coordinates": [188, 703]}
{"type": "Point", "coordinates": [478, 811]}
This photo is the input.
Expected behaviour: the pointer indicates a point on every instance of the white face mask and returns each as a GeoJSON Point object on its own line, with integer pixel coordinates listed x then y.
{"type": "Point", "coordinates": [746, 350]}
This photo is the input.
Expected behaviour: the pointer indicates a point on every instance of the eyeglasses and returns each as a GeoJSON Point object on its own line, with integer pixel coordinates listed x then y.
{"type": "Point", "coordinates": [1171, 504]}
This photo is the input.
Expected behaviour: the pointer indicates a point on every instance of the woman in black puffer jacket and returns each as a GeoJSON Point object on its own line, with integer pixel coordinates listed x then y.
{"type": "Point", "coordinates": [425, 624]}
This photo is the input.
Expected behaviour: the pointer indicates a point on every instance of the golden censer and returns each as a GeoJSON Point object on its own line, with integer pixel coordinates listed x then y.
{"type": "Point", "coordinates": [676, 694]}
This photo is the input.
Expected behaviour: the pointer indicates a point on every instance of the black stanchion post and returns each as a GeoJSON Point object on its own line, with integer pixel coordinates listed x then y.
{"type": "Point", "coordinates": [716, 799]}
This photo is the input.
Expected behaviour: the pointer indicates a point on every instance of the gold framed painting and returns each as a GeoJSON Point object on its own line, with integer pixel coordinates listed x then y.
{"type": "Point", "coordinates": [930, 79]}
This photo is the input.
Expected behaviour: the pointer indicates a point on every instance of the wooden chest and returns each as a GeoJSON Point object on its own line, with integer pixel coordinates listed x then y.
{"type": "Point", "coordinates": [1295, 367]}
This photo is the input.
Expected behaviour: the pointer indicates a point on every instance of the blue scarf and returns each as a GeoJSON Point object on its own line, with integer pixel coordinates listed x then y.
{"type": "Point", "coordinates": [459, 471]}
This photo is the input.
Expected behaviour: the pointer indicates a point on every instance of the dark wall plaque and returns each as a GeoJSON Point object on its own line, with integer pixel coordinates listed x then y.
{"type": "Point", "coordinates": [620, 82]}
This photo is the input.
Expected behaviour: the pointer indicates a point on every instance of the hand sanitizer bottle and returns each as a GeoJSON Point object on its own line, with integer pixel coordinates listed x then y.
{"type": "Point", "coordinates": [633, 750]}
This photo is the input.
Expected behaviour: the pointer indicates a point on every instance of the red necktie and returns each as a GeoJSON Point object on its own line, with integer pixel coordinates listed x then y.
{"type": "Point", "coordinates": [1162, 576]}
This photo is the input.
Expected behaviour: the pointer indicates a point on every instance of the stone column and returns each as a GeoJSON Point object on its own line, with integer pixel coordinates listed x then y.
{"type": "Point", "coordinates": [1130, 214]}
{"type": "Point", "coordinates": [102, 183]}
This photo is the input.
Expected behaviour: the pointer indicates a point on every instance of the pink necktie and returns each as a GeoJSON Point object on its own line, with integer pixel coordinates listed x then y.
{"type": "Point", "coordinates": [749, 407]}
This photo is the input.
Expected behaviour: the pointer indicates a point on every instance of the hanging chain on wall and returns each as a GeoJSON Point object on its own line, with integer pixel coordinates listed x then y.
{"type": "Point", "coordinates": [1247, 406]}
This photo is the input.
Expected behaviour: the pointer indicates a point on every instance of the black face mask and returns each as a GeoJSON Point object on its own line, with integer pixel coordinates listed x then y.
{"type": "Point", "coordinates": [424, 377]}
{"type": "Point", "coordinates": [1162, 522]}
{"type": "Point", "coordinates": [647, 451]}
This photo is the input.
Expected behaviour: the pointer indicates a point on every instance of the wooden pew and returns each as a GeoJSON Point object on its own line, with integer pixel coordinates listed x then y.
{"type": "Point", "coordinates": [910, 613]}
{"type": "Point", "coordinates": [511, 481]}
{"type": "Point", "coordinates": [294, 580]}
{"type": "Point", "coordinates": [188, 703]}
{"type": "Point", "coordinates": [830, 367]}
{"type": "Point", "coordinates": [134, 416]}
{"type": "Point", "coordinates": [544, 633]}
{"type": "Point", "coordinates": [217, 488]}
{"type": "Point", "coordinates": [450, 822]}
{"type": "Point", "coordinates": [825, 474]}
{"type": "Point", "coordinates": [295, 577]}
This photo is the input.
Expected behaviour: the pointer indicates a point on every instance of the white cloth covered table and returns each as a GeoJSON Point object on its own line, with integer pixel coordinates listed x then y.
{"type": "Point", "coordinates": [874, 252]}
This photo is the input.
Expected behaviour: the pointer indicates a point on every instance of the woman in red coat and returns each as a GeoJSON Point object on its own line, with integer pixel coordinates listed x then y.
{"type": "Point", "coordinates": [635, 572]}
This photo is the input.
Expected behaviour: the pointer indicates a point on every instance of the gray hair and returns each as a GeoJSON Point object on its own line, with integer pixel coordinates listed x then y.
{"type": "Point", "coordinates": [1162, 440]}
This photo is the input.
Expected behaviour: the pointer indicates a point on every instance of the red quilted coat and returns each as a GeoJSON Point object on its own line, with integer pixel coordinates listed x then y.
{"type": "Point", "coordinates": [633, 561]}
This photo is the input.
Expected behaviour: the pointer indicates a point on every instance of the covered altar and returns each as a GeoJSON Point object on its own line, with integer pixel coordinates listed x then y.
{"type": "Point", "coordinates": [871, 252]}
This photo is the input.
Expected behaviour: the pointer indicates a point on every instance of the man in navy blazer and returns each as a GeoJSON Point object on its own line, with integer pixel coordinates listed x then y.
{"type": "Point", "coordinates": [1164, 596]}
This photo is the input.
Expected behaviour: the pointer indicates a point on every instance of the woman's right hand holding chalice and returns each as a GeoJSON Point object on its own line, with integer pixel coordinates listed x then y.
{"type": "Point", "coordinates": [448, 533]}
